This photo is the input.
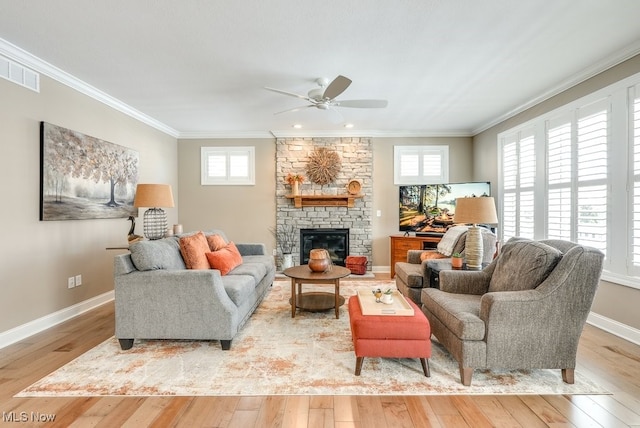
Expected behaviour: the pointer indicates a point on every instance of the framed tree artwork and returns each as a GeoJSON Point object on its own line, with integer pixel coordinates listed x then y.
{"type": "Point", "coordinates": [83, 177]}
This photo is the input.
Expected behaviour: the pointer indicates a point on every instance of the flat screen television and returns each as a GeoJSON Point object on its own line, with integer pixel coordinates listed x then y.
{"type": "Point", "coordinates": [428, 209]}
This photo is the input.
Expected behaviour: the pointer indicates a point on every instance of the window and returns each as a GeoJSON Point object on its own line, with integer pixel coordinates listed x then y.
{"type": "Point", "coordinates": [635, 200]}
{"type": "Point", "coordinates": [421, 164]}
{"type": "Point", "coordinates": [518, 178]}
{"type": "Point", "coordinates": [584, 165]}
{"type": "Point", "coordinates": [227, 165]}
{"type": "Point", "coordinates": [577, 176]}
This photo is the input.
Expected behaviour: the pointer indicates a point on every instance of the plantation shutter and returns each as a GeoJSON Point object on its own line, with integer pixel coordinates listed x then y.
{"type": "Point", "coordinates": [559, 180]}
{"type": "Point", "coordinates": [635, 130]}
{"type": "Point", "coordinates": [518, 178]}
{"type": "Point", "coordinates": [592, 175]}
{"type": "Point", "coordinates": [216, 165]}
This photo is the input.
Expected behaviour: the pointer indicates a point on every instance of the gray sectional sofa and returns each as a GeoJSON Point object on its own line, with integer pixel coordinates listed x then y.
{"type": "Point", "coordinates": [157, 297]}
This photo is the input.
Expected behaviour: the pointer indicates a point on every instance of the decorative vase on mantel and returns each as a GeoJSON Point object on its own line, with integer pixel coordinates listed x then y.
{"type": "Point", "coordinates": [295, 188]}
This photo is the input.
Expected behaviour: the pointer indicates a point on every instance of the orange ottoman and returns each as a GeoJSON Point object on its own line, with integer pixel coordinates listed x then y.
{"type": "Point", "coordinates": [390, 336]}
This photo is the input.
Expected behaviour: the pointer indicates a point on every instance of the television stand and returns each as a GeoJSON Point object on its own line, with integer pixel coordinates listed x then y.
{"type": "Point", "coordinates": [400, 244]}
{"type": "Point", "coordinates": [423, 234]}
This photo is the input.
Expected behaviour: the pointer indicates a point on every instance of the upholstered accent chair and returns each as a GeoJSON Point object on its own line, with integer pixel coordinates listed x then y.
{"type": "Point", "coordinates": [413, 275]}
{"type": "Point", "coordinates": [526, 310]}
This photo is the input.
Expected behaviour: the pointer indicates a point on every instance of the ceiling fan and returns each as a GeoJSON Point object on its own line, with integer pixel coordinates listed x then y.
{"type": "Point", "coordinates": [324, 97]}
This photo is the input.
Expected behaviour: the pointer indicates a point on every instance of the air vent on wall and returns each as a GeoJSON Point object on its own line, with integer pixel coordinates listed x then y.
{"type": "Point", "coordinates": [19, 74]}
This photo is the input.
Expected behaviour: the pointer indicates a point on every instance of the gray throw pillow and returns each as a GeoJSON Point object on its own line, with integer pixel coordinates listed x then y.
{"type": "Point", "coordinates": [522, 265]}
{"type": "Point", "coordinates": [159, 254]}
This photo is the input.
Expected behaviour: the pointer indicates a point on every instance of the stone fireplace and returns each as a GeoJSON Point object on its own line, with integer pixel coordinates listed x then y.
{"type": "Point", "coordinates": [357, 163]}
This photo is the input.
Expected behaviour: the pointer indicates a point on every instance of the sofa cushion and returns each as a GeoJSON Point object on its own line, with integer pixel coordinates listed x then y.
{"type": "Point", "coordinates": [522, 265]}
{"type": "Point", "coordinates": [256, 269]}
{"type": "Point", "coordinates": [459, 312]}
{"type": "Point", "coordinates": [194, 249]}
{"type": "Point", "coordinates": [239, 288]}
{"type": "Point", "coordinates": [158, 254]}
{"type": "Point", "coordinates": [225, 259]}
{"type": "Point", "coordinates": [411, 274]}
{"type": "Point", "coordinates": [216, 242]}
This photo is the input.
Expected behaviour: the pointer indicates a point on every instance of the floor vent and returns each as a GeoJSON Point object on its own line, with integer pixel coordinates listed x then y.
{"type": "Point", "coordinates": [19, 74]}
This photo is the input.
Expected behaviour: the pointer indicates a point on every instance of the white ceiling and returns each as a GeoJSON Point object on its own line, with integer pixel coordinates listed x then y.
{"type": "Point", "coordinates": [447, 67]}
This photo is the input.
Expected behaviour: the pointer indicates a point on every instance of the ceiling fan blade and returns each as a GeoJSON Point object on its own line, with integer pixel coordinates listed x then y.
{"type": "Point", "coordinates": [361, 103]}
{"type": "Point", "coordinates": [291, 94]}
{"type": "Point", "coordinates": [335, 88]}
{"type": "Point", "coordinates": [294, 109]}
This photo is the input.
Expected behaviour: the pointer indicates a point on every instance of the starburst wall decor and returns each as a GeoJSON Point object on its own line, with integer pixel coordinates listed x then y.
{"type": "Point", "coordinates": [324, 166]}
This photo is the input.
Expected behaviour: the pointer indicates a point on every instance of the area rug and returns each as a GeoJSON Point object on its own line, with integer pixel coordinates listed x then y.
{"type": "Point", "coordinates": [275, 354]}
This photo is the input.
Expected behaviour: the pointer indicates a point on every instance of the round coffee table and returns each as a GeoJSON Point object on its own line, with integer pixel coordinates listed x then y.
{"type": "Point", "coordinates": [315, 301]}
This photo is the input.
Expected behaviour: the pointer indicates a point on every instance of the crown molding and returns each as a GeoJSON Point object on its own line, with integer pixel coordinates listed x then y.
{"type": "Point", "coordinates": [369, 133]}
{"type": "Point", "coordinates": [201, 135]}
{"type": "Point", "coordinates": [23, 57]}
{"type": "Point", "coordinates": [287, 133]}
{"type": "Point", "coordinates": [586, 74]}
{"type": "Point", "coordinates": [27, 59]}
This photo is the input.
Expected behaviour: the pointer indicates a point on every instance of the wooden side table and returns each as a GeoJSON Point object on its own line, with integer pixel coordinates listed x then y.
{"type": "Point", "coordinates": [315, 301]}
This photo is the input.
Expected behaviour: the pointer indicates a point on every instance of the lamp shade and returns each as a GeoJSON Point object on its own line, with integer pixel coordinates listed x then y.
{"type": "Point", "coordinates": [154, 196]}
{"type": "Point", "coordinates": [480, 210]}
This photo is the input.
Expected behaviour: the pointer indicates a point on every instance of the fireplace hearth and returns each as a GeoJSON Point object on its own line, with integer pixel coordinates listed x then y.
{"type": "Point", "coordinates": [335, 241]}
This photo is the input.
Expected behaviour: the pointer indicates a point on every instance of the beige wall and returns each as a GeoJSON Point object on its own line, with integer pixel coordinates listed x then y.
{"type": "Point", "coordinates": [246, 213]}
{"type": "Point", "coordinates": [612, 301]}
{"type": "Point", "coordinates": [38, 257]}
{"type": "Point", "coordinates": [385, 193]}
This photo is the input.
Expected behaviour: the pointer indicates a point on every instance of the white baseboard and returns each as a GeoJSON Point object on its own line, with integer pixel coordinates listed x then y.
{"type": "Point", "coordinates": [614, 327]}
{"type": "Point", "coordinates": [36, 326]}
{"type": "Point", "coordinates": [381, 269]}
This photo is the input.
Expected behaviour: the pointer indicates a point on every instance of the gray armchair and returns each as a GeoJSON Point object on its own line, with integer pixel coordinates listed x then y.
{"type": "Point", "coordinates": [525, 310]}
{"type": "Point", "coordinates": [413, 275]}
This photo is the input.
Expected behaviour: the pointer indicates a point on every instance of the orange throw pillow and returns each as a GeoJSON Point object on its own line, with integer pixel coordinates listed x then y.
{"type": "Point", "coordinates": [225, 259]}
{"type": "Point", "coordinates": [216, 242]}
{"type": "Point", "coordinates": [194, 249]}
{"type": "Point", "coordinates": [429, 255]}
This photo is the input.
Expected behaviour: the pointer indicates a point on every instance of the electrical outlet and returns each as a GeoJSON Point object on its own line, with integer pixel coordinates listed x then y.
{"type": "Point", "coordinates": [78, 280]}
{"type": "Point", "coordinates": [275, 253]}
{"type": "Point", "coordinates": [71, 282]}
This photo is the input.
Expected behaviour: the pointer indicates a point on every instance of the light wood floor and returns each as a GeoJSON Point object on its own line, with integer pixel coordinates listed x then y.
{"type": "Point", "coordinates": [605, 358]}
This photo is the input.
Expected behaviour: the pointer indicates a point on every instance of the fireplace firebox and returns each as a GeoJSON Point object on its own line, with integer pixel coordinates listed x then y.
{"type": "Point", "coordinates": [335, 241]}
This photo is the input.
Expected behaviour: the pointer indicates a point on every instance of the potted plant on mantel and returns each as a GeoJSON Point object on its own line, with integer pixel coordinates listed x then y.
{"type": "Point", "coordinates": [294, 180]}
{"type": "Point", "coordinates": [456, 261]}
{"type": "Point", "coordinates": [285, 235]}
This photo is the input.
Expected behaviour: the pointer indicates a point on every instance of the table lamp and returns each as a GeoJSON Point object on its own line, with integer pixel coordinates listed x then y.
{"type": "Point", "coordinates": [155, 197]}
{"type": "Point", "coordinates": [474, 211]}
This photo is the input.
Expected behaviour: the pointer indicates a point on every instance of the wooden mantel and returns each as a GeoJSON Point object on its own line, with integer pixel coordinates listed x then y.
{"type": "Point", "coordinates": [344, 200]}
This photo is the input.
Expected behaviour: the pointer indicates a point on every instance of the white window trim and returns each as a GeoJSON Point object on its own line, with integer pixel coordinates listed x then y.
{"type": "Point", "coordinates": [423, 177]}
{"type": "Point", "coordinates": [227, 179]}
